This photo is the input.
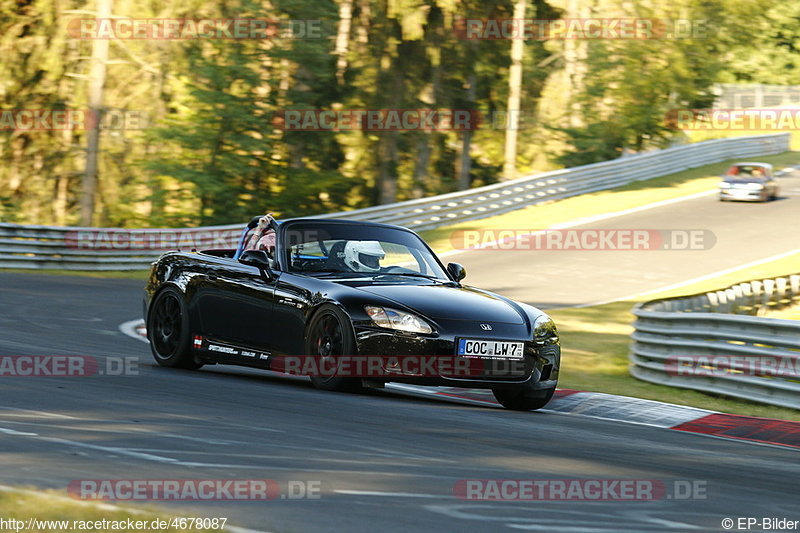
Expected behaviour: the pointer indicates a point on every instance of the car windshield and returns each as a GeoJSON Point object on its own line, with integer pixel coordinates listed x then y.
{"type": "Point", "coordinates": [357, 250]}
{"type": "Point", "coordinates": [747, 171]}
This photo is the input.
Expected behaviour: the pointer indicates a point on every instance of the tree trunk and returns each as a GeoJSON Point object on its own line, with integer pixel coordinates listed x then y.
{"type": "Point", "coordinates": [465, 160]}
{"type": "Point", "coordinates": [421, 166]}
{"type": "Point", "coordinates": [514, 90]}
{"type": "Point", "coordinates": [387, 168]}
{"type": "Point", "coordinates": [430, 96]}
{"type": "Point", "coordinates": [391, 94]}
{"type": "Point", "coordinates": [575, 54]}
{"type": "Point", "coordinates": [97, 80]}
{"type": "Point", "coordinates": [60, 203]}
{"type": "Point", "coordinates": [343, 38]}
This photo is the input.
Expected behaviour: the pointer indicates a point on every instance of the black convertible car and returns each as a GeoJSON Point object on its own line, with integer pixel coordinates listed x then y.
{"type": "Point", "coordinates": [352, 304]}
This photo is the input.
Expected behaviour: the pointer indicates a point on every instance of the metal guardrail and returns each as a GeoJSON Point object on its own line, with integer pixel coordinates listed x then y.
{"type": "Point", "coordinates": [84, 249]}
{"type": "Point", "coordinates": [716, 342]}
{"type": "Point", "coordinates": [755, 95]}
{"type": "Point", "coordinates": [78, 248]}
{"type": "Point", "coordinates": [481, 202]}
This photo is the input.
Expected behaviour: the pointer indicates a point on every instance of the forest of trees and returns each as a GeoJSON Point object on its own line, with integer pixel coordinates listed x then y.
{"type": "Point", "coordinates": [204, 142]}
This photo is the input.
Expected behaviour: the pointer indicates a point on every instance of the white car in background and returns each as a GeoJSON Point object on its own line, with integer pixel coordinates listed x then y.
{"type": "Point", "coordinates": [749, 182]}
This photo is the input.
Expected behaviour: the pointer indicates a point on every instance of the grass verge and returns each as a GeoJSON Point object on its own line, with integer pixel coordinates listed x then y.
{"type": "Point", "coordinates": [790, 313]}
{"type": "Point", "coordinates": [596, 344]}
{"type": "Point", "coordinates": [49, 508]}
{"type": "Point", "coordinates": [108, 274]}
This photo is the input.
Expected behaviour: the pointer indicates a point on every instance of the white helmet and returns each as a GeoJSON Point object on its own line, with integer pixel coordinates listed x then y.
{"type": "Point", "coordinates": [363, 256]}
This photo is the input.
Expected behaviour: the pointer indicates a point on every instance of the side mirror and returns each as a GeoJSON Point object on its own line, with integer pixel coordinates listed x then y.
{"type": "Point", "coordinates": [258, 259]}
{"type": "Point", "coordinates": [456, 271]}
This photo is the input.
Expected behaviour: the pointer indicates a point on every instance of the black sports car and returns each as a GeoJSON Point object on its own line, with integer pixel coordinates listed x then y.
{"type": "Point", "coordinates": [352, 304]}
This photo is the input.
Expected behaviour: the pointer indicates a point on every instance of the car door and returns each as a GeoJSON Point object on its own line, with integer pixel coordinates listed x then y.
{"type": "Point", "coordinates": [235, 302]}
{"type": "Point", "coordinates": [291, 302]}
{"type": "Point", "coordinates": [293, 295]}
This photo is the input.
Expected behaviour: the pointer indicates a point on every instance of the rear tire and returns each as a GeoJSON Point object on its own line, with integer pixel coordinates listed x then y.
{"type": "Point", "coordinates": [168, 331]}
{"type": "Point", "coordinates": [330, 335]}
{"type": "Point", "coordinates": [522, 398]}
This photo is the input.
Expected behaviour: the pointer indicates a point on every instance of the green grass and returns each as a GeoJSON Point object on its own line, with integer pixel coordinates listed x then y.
{"type": "Point", "coordinates": [790, 313]}
{"type": "Point", "coordinates": [695, 136]}
{"type": "Point", "coordinates": [111, 274]}
{"type": "Point", "coordinates": [637, 194]}
{"type": "Point", "coordinates": [596, 343]}
{"type": "Point", "coordinates": [52, 505]}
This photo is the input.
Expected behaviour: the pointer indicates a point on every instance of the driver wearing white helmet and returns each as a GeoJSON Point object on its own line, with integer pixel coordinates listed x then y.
{"type": "Point", "coordinates": [363, 256]}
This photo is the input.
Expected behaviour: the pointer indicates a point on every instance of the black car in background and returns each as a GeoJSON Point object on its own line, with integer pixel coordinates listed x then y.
{"type": "Point", "coordinates": [313, 293]}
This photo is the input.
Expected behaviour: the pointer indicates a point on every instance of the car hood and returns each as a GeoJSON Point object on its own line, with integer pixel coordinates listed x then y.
{"type": "Point", "coordinates": [450, 302]}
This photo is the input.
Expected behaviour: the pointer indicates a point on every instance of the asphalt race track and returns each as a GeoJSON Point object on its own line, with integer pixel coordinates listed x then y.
{"type": "Point", "coordinates": [385, 461]}
{"type": "Point", "coordinates": [742, 232]}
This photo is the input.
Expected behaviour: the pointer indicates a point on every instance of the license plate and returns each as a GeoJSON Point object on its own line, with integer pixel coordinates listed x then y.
{"type": "Point", "coordinates": [490, 349]}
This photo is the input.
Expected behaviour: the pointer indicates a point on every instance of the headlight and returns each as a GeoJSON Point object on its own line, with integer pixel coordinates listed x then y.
{"type": "Point", "coordinates": [724, 185]}
{"type": "Point", "coordinates": [399, 320]}
{"type": "Point", "coordinates": [544, 330]}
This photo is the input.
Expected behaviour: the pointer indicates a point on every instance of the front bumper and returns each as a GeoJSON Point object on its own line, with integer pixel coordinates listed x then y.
{"type": "Point", "coordinates": [747, 195]}
{"type": "Point", "coordinates": [538, 368]}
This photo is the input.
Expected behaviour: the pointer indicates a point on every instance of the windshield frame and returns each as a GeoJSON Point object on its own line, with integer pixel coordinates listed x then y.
{"type": "Point", "coordinates": [359, 231]}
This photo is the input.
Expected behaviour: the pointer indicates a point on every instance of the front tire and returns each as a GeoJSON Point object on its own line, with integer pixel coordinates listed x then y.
{"type": "Point", "coordinates": [168, 331]}
{"type": "Point", "coordinates": [523, 398]}
{"type": "Point", "coordinates": [329, 335]}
